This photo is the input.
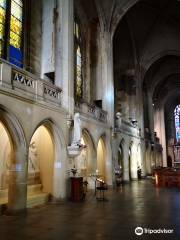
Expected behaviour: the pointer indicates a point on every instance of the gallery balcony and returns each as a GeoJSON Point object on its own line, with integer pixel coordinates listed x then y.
{"type": "Point", "coordinates": [91, 111]}
{"type": "Point", "coordinates": [127, 127]}
{"type": "Point", "coordinates": [21, 84]}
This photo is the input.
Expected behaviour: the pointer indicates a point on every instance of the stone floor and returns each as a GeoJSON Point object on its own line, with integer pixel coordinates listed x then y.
{"type": "Point", "coordinates": [138, 204]}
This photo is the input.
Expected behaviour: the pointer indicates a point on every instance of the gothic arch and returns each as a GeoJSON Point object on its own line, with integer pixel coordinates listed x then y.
{"type": "Point", "coordinates": [146, 65]}
{"type": "Point", "coordinates": [91, 153]}
{"type": "Point", "coordinates": [13, 127]}
{"type": "Point", "coordinates": [117, 17]}
{"type": "Point", "coordinates": [60, 154]}
{"type": "Point", "coordinates": [102, 156]}
{"type": "Point", "coordinates": [87, 134]}
{"type": "Point", "coordinates": [17, 187]}
{"type": "Point", "coordinates": [120, 155]}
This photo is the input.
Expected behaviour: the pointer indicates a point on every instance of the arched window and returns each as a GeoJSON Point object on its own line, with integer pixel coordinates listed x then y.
{"type": "Point", "coordinates": [11, 28]}
{"type": "Point", "coordinates": [177, 122]}
{"type": "Point", "coordinates": [78, 86]}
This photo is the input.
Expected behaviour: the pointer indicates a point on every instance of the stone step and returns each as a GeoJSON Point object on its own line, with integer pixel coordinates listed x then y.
{"type": "Point", "coordinates": [35, 196]}
{"type": "Point", "coordinates": [37, 188]}
{"type": "Point", "coordinates": [32, 201]}
{"type": "Point", "coordinates": [37, 199]}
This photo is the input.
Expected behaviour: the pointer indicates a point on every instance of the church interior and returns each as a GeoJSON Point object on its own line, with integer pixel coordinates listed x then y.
{"type": "Point", "coordinates": [89, 118]}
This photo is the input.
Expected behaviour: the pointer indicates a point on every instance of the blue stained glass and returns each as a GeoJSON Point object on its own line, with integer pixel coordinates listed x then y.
{"type": "Point", "coordinates": [178, 133]}
{"type": "Point", "coordinates": [16, 56]}
{"type": "Point", "coordinates": [177, 121]}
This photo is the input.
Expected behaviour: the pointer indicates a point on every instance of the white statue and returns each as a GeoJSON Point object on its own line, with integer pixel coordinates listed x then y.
{"type": "Point", "coordinates": [33, 165]}
{"type": "Point", "coordinates": [77, 130]}
{"type": "Point", "coordinates": [118, 119]}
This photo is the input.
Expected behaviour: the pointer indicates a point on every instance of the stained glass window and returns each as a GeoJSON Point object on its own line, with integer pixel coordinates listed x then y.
{"type": "Point", "coordinates": [78, 62]}
{"type": "Point", "coordinates": [15, 51]}
{"type": "Point", "coordinates": [177, 122]}
{"type": "Point", "coordinates": [2, 25]}
{"type": "Point", "coordinates": [11, 25]}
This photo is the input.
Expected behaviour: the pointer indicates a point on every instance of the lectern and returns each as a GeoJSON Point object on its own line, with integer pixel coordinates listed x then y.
{"type": "Point", "coordinates": [76, 189]}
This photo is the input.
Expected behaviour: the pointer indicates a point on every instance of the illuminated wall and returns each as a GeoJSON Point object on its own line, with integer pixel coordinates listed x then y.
{"type": "Point", "coordinates": [101, 164]}
{"type": "Point", "coordinates": [5, 157]}
{"type": "Point", "coordinates": [43, 158]}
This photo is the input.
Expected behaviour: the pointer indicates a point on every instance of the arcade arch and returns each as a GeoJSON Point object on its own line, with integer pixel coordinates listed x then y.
{"type": "Point", "coordinates": [86, 161]}
{"type": "Point", "coordinates": [41, 159]}
{"type": "Point", "coordinates": [48, 152]}
{"type": "Point", "coordinates": [16, 163]}
{"type": "Point", "coordinates": [6, 159]}
{"type": "Point", "coordinates": [101, 158]}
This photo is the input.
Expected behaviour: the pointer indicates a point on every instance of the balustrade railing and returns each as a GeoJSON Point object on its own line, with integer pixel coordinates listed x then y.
{"type": "Point", "coordinates": [27, 84]}
{"type": "Point", "coordinates": [127, 127]}
{"type": "Point", "coordinates": [92, 111]}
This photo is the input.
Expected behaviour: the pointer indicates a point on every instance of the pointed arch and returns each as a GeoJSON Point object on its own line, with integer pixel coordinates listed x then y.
{"type": "Point", "coordinates": [58, 190]}
{"type": "Point", "coordinates": [17, 187]}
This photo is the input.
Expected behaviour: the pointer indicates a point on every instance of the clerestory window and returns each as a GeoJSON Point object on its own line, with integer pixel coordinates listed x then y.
{"type": "Point", "coordinates": [78, 62]}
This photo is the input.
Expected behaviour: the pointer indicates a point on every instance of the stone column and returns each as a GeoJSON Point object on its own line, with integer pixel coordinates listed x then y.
{"type": "Point", "coordinates": [157, 122]}
{"type": "Point", "coordinates": [17, 192]}
{"type": "Point", "coordinates": [48, 29]}
{"type": "Point", "coordinates": [125, 163]}
{"type": "Point", "coordinates": [64, 54]}
{"type": "Point", "coordinates": [108, 163]}
{"type": "Point", "coordinates": [151, 115]}
{"type": "Point", "coordinates": [132, 107]}
{"type": "Point", "coordinates": [107, 75]}
{"type": "Point", "coordinates": [132, 95]}
{"type": "Point", "coordinates": [140, 104]}
{"type": "Point", "coordinates": [163, 137]}
{"type": "Point", "coordinates": [143, 158]}
{"type": "Point", "coordinates": [160, 129]}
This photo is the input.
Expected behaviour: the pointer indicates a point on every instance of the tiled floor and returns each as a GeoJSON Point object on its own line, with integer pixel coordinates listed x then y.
{"type": "Point", "coordinates": [135, 204]}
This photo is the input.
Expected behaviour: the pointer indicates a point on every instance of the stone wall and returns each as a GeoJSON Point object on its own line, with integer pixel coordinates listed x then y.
{"type": "Point", "coordinates": [35, 37]}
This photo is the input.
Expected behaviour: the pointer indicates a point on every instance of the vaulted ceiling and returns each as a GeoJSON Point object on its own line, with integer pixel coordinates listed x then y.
{"type": "Point", "coordinates": [147, 39]}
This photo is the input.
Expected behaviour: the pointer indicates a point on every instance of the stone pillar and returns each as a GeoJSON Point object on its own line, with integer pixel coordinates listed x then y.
{"type": "Point", "coordinates": [108, 163]}
{"type": "Point", "coordinates": [48, 29]}
{"type": "Point", "coordinates": [148, 160]}
{"type": "Point", "coordinates": [140, 104]}
{"type": "Point", "coordinates": [151, 115]}
{"type": "Point", "coordinates": [163, 137]}
{"type": "Point", "coordinates": [143, 158]}
{"type": "Point", "coordinates": [64, 54]}
{"type": "Point", "coordinates": [17, 192]}
{"type": "Point", "coordinates": [107, 75]}
{"type": "Point", "coordinates": [125, 163]}
{"type": "Point", "coordinates": [132, 96]}
{"type": "Point", "coordinates": [157, 122]}
{"type": "Point", "coordinates": [132, 107]}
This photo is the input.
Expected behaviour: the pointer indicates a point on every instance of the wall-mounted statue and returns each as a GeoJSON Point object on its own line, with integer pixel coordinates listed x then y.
{"type": "Point", "coordinates": [77, 130]}
{"type": "Point", "coordinates": [33, 165]}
